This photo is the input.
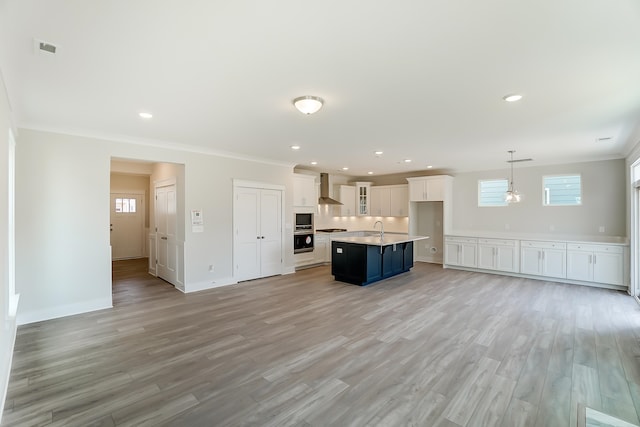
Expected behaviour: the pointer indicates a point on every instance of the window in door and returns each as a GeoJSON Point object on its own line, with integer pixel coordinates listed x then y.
{"type": "Point", "coordinates": [125, 205]}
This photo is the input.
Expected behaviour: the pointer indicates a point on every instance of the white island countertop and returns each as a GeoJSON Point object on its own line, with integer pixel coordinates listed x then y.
{"type": "Point", "coordinates": [374, 240]}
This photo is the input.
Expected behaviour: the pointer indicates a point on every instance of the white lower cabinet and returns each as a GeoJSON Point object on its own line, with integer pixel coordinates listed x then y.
{"type": "Point", "coordinates": [569, 262]}
{"type": "Point", "coordinates": [498, 254]}
{"type": "Point", "coordinates": [461, 251]}
{"type": "Point", "coordinates": [547, 259]}
{"type": "Point", "coordinates": [596, 263]}
{"type": "Point", "coordinates": [321, 249]}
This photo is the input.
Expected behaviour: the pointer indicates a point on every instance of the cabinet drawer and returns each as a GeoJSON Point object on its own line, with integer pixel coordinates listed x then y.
{"type": "Point", "coordinates": [461, 240]}
{"type": "Point", "coordinates": [595, 248]}
{"type": "Point", "coordinates": [497, 242]}
{"type": "Point", "coordinates": [543, 245]}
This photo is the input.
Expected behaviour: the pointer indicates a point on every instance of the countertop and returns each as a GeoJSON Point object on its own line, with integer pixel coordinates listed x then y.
{"type": "Point", "coordinates": [611, 240]}
{"type": "Point", "coordinates": [374, 240]}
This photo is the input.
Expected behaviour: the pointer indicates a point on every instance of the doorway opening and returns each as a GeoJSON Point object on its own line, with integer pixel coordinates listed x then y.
{"type": "Point", "coordinates": [146, 201]}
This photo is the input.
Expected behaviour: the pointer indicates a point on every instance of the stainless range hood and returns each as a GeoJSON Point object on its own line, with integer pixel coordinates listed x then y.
{"type": "Point", "coordinates": [324, 191]}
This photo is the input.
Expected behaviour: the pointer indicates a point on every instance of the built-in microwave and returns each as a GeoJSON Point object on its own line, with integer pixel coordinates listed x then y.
{"type": "Point", "coordinates": [304, 223]}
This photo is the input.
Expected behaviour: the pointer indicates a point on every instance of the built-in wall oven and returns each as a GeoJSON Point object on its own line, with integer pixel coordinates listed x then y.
{"type": "Point", "coordinates": [303, 233]}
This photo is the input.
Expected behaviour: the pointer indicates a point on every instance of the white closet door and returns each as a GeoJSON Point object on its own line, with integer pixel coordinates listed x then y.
{"type": "Point", "coordinates": [258, 233]}
{"type": "Point", "coordinates": [270, 233]}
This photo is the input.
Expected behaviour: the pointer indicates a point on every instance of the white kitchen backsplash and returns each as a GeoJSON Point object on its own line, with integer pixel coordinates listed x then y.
{"type": "Point", "coordinates": [325, 219]}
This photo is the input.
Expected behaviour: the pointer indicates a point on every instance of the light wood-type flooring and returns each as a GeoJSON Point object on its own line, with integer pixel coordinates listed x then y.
{"type": "Point", "coordinates": [432, 347]}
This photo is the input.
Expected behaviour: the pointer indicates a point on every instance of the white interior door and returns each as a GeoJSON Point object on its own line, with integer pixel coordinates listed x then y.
{"type": "Point", "coordinates": [127, 226]}
{"type": "Point", "coordinates": [166, 225]}
{"type": "Point", "coordinates": [270, 233]}
{"type": "Point", "coordinates": [247, 230]}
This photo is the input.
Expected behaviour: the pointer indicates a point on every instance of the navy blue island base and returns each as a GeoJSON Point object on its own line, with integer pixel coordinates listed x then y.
{"type": "Point", "coordinates": [362, 264]}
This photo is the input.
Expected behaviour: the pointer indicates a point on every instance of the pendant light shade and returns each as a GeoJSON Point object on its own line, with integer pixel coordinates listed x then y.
{"type": "Point", "coordinates": [512, 195]}
{"type": "Point", "coordinates": [308, 104]}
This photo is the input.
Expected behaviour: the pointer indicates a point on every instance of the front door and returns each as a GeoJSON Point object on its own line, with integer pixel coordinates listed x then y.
{"type": "Point", "coordinates": [127, 226]}
{"type": "Point", "coordinates": [166, 224]}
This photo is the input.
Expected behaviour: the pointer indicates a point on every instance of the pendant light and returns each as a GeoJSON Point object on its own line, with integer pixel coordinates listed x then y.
{"type": "Point", "coordinates": [512, 195]}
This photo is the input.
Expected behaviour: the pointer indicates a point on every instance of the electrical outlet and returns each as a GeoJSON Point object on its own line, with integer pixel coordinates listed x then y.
{"type": "Point", "coordinates": [601, 229]}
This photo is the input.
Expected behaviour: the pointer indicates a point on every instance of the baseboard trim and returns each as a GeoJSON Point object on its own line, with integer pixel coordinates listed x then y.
{"type": "Point", "coordinates": [64, 310]}
{"type": "Point", "coordinates": [542, 278]}
{"type": "Point", "coordinates": [7, 343]}
{"type": "Point", "coordinates": [203, 286]}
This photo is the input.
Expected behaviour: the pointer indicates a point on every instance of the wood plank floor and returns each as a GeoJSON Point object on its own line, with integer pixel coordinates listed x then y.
{"type": "Point", "coordinates": [432, 347]}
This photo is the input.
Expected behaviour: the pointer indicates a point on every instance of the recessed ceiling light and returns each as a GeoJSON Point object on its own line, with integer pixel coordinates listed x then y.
{"type": "Point", "coordinates": [369, 173]}
{"type": "Point", "coordinates": [407, 160]}
{"type": "Point", "coordinates": [295, 147]}
{"type": "Point", "coordinates": [378, 153]}
{"type": "Point", "coordinates": [314, 163]}
{"type": "Point", "coordinates": [429, 167]}
{"type": "Point", "coordinates": [345, 168]}
{"type": "Point", "coordinates": [512, 97]}
{"type": "Point", "coordinates": [145, 115]}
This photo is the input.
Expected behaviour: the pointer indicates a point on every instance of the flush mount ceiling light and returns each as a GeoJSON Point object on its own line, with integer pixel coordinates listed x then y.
{"type": "Point", "coordinates": [512, 195]}
{"type": "Point", "coordinates": [145, 115]}
{"type": "Point", "coordinates": [512, 97]}
{"type": "Point", "coordinates": [308, 104]}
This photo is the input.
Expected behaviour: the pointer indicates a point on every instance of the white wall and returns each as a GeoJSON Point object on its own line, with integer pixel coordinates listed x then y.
{"type": "Point", "coordinates": [63, 259]}
{"type": "Point", "coordinates": [7, 297]}
{"type": "Point", "coordinates": [603, 202]}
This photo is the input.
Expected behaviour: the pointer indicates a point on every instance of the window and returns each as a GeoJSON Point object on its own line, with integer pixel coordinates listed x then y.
{"type": "Point", "coordinates": [126, 205]}
{"type": "Point", "coordinates": [562, 190]}
{"type": "Point", "coordinates": [491, 192]}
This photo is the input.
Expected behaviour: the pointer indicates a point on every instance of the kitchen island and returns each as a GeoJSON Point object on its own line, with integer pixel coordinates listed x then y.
{"type": "Point", "coordinates": [362, 260]}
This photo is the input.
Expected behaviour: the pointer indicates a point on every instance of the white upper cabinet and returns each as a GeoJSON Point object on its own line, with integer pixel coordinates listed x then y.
{"type": "Point", "coordinates": [380, 201]}
{"type": "Point", "coordinates": [304, 191]}
{"type": "Point", "coordinates": [429, 188]}
{"type": "Point", "coordinates": [389, 200]}
{"type": "Point", "coordinates": [399, 200]}
{"type": "Point", "coordinates": [346, 194]}
{"type": "Point", "coordinates": [363, 190]}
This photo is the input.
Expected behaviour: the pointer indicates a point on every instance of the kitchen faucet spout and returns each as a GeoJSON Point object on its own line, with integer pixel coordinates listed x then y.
{"type": "Point", "coordinates": [381, 228]}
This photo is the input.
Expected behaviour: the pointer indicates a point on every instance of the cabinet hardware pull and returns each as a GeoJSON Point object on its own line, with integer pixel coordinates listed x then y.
{"type": "Point", "coordinates": [594, 259]}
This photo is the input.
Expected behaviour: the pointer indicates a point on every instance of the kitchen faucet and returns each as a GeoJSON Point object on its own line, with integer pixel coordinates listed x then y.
{"type": "Point", "coordinates": [381, 229]}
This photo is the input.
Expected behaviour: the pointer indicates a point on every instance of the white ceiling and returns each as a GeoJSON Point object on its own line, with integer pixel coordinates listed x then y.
{"type": "Point", "coordinates": [417, 79]}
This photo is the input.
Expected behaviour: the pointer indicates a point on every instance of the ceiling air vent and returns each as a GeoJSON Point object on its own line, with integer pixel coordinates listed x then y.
{"type": "Point", "coordinates": [45, 47]}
